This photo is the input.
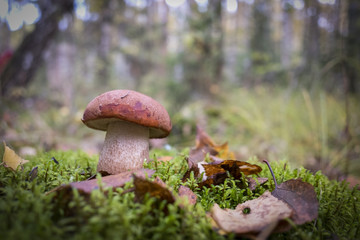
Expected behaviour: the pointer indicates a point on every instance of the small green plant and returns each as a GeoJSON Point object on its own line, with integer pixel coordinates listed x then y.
{"type": "Point", "coordinates": [227, 195]}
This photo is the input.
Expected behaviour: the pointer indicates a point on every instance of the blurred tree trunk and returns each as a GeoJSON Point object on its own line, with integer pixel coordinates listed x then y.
{"type": "Point", "coordinates": [60, 71]}
{"type": "Point", "coordinates": [311, 41]}
{"type": "Point", "coordinates": [218, 39]}
{"type": "Point", "coordinates": [353, 45]}
{"type": "Point", "coordinates": [105, 24]}
{"type": "Point", "coordinates": [28, 56]}
{"type": "Point", "coordinates": [287, 34]}
{"type": "Point", "coordinates": [203, 57]}
{"type": "Point", "coordinates": [142, 36]}
{"type": "Point", "coordinates": [261, 43]}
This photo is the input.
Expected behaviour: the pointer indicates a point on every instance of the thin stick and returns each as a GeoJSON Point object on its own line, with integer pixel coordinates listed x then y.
{"type": "Point", "coordinates": [272, 173]}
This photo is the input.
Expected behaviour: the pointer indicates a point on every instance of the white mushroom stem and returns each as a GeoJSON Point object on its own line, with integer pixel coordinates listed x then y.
{"type": "Point", "coordinates": [125, 148]}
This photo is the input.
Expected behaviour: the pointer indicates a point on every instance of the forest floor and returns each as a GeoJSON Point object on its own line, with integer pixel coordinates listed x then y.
{"type": "Point", "coordinates": [299, 133]}
{"type": "Point", "coordinates": [314, 130]}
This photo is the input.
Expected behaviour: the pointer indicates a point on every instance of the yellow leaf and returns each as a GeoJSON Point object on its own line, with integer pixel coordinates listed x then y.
{"type": "Point", "coordinates": [204, 140]}
{"type": "Point", "coordinates": [11, 159]}
{"type": "Point", "coordinates": [224, 152]}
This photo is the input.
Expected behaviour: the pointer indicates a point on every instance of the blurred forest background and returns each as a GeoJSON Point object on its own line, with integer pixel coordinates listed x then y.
{"type": "Point", "coordinates": [274, 78]}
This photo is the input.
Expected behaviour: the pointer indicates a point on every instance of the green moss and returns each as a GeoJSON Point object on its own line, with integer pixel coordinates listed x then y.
{"type": "Point", "coordinates": [26, 212]}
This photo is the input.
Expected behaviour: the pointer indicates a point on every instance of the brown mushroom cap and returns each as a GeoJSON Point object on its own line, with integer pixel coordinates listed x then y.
{"type": "Point", "coordinates": [127, 105]}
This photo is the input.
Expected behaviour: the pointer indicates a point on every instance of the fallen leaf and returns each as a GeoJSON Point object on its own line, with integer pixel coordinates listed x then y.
{"type": "Point", "coordinates": [156, 188]}
{"type": "Point", "coordinates": [224, 152]}
{"type": "Point", "coordinates": [186, 192]}
{"type": "Point", "coordinates": [215, 173]}
{"type": "Point", "coordinates": [207, 145]}
{"type": "Point", "coordinates": [252, 217]}
{"type": "Point", "coordinates": [195, 169]}
{"type": "Point", "coordinates": [164, 159]}
{"type": "Point", "coordinates": [202, 138]}
{"type": "Point", "coordinates": [301, 197]}
{"type": "Point", "coordinates": [65, 194]}
{"type": "Point", "coordinates": [226, 165]}
{"type": "Point", "coordinates": [253, 183]}
{"type": "Point", "coordinates": [212, 169]}
{"type": "Point", "coordinates": [207, 160]}
{"type": "Point", "coordinates": [113, 181]}
{"type": "Point", "coordinates": [11, 159]}
{"type": "Point", "coordinates": [197, 155]}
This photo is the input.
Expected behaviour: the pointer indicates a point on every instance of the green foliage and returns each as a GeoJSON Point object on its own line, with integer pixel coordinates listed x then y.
{"type": "Point", "coordinates": [70, 167]}
{"type": "Point", "coordinates": [26, 212]}
{"type": "Point", "coordinates": [227, 195]}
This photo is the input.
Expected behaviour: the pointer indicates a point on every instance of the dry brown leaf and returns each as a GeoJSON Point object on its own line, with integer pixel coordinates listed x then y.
{"type": "Point", "coordinates": [11, 159]}
{"type": "Point", "coordinates": [224, 152]}
{"type": "Point", "coordinates": [65, 194]}
{"type": "Point", "coordinates": [301, 197]}
{"type": "Point", "coordinates": [244, 167]}
{"type": "Point", "coordinates": [203, 139]}
{"type": "Point", "coordinates": [113, 181]}
{"type": "Point", "coordinates": [164, 159]}
{"type": "Point", "coordinates": [194, 169]}
{"type": "Point", "coordinates": [197, 155]}
{"type": "Point", "coordinates": [204, 142]}
{"type": "Point", "coordinates": [263, 211]}
{"type": "Point", "coordinates": [253, 183]}
{"type": "Point", "coordinates": [216, 172]}
{"type": "Point", "coordinates": [186, 192]}
{"type": "Point", "coordinates": [156, 188]}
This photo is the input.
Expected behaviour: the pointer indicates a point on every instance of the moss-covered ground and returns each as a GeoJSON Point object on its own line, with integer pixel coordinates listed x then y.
{"type": "Point", "coordinates": [293, 129]}
{"type": "Point", "coordinates": [27, 212]}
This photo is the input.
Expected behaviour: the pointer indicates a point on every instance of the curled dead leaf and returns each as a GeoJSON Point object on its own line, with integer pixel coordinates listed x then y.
{"type": "Point", "coordinates": [64, 194]}
{"type": "Point", "coordinates": [156, 188]}
{"type": "Point", "coordinates": [112, 181]}
{"type": "Point", "coordinates": [186, 192]}
{"type": "Point", "coordinates": [252, 217]}
{"type": "Point", "coordinates": [11, 159]}
{"type": "Point", "coordinates": [207, 160]}
{"type": "Point", "coordinates": [197, 155]}
{"type": "Point", "coordinates": [253, 183]}
{"type": "Point", "coordinates": [203, 140]}
{"type": "Point", "coordinates": [301, 197]}
{"type": "Point", "coordinates": [216, 172]}
{"type": "Point", "coordinates": [235, 165]}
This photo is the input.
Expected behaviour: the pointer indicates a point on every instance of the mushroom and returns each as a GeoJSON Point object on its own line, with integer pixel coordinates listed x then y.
{"type": "Point", "coordinates": [129, 119]}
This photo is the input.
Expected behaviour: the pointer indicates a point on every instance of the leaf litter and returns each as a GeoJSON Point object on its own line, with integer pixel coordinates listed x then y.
{"type": "Point", "coordinates": [300, 196]}
{"type": "Point", "coordinates": [110, 181]}
{"type": "Point", "coordinates": [160, 190]}
{"type": "Point", "coordinates": [293, 199]}
{"type": "Point", "coordinates": [253, 216]}
{"type": "Point", "coordinates": [257, 218]}
{"type": "Point", "coordinates": [11, 159]}
{"type": "Point", "coordinates": [214, 161]}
